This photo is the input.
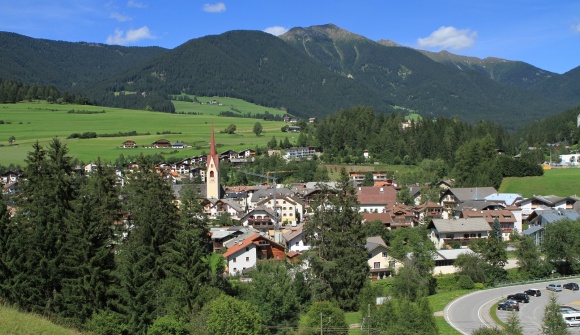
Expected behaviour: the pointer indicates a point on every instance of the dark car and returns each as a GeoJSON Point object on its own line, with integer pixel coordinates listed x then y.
{"type": "Point", "coordinates": [533, 292]}
{"type": "Point", "coordinates": [509, 305]}
{"type": "Point", "coordinates": [519, 297]}
{"type": "Point", "coordinates": [571, 286]}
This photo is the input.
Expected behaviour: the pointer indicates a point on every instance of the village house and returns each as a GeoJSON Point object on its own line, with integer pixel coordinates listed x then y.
{"type": "Point", "coordinates": [294, 237]}
{"type": "Point", "coordinates": [551, 201]}
{"type": "Point", "coordinates": [505, 217]}
{"type": "Point", "coordinates": [378, 176]}
{"type": "Point", "coordinates": [455, 196]}
{"type": "Point", "coordinates": [161, 143]}
{"type": "Point", "coordinates": [129, 144]}
{"type": "Point", "coordinates": [444, 232]}
{"type": "Point", "coordinates": [246, 253]}
{"type": "Point", "coordinates": [381, 264]}
{"type": "Point", "coordinates": [299, 153]}
{"type": "Point", "coordinates": [375, 199]}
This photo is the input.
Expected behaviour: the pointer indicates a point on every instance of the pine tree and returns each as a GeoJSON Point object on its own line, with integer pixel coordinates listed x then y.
{"type": "Point", "coordinates": [552, 322]}
{"type": "Point", "coordinates": [338, 257]}
{"type": "Point", "coordinates": [5, 239]}
{"type": "Point", "coordinates": [89, 259]}
{"type": "Point", "coordinates": [153, 224]}
{"type": "Point", "coordinates": [38, 243]}
{"type": "Point", "coordinates": [513, 326]}
{"type": "Point", "coordinates": [186, 256]}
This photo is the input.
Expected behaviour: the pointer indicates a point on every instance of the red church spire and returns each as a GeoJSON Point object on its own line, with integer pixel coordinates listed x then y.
{"type": "Point", "coordinates": [212, 142]}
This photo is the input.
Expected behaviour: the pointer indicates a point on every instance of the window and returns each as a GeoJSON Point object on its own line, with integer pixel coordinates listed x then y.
{"type": "Point", "coordinates": [298, 243]}
{"type": "Point", "coordinates": [471, 235]}
{"type": "Point", "coordinates": [211, 174]}
{"type": "Point", "coordinates": [247, 248]}
{"type": "Point", "coordinates": [235, 269]}
{"type": "Point", "coordinates": [392, 264]}
{"type": "Point", "coordinates": [247, 259]}
{"type": "Point", "coordinates": [377, 265]}
{"type": "Point", "coordinates": [385, 254]}
{"type": "Point", "coordinates": [449, 236]}
{"type": "Point", "coordinates": [234, 259]}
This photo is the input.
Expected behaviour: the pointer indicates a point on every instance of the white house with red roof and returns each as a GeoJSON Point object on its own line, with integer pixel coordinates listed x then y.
{"type": "Point", "coordinates": [246, 253]}
{"type": "Point", "coordinates": [374, 199]}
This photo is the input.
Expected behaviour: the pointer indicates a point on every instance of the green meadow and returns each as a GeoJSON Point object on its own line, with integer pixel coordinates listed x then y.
{"type": "Point", "coordinates": [17, 323]}
{"type": "Point", "coordinates": [560, 182]}
{"type": "Point", "coordinates": [41, 121]}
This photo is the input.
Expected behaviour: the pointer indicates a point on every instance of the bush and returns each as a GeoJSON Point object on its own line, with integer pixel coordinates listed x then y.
{"type": "Point", "coordinates": [479, 286]}
{"type": "Point", "coordinates": [168, 325]}
{"type": "Point", "coordinates": [465, 282]}
{"type": "Point", "coordinates": [107, 323]}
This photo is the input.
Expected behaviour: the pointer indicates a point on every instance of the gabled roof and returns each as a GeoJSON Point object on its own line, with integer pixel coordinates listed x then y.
{"type": "Point", "coordinates": [460, 225]}
{"type": "Point", "coordinates": [471, 193]}
{"type": "Point", "coordinates": [385, 218]}
{"type": "Point", "coordinates": [370, 195]}
{"type": "Point", "coordinates": [258, 210]}
{"type": "Point", "coordinates": [450, 254]}
{"type": "Point", "coordinates": [264, 193]}
{"type": "Point", "coordinates": [478, 205]}
{"type": "Point", "coordinates": [296, 231]}
{"type": "Point", "coordinates": [374, 242]}
{"type": "Point", "coordinates": [239, 246]}
{"type": "Point", "coordinates": [507, 198]}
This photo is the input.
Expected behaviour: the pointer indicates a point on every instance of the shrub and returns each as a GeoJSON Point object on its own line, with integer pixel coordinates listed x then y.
{"type": "Point", "coordinates": [107, 323]}
{"type": "Point", "coordinates": [465, 282]}
{"type": "Point", "coordinates": [168, 325]}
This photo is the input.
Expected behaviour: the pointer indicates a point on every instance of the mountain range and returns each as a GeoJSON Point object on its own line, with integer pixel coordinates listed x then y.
{"type": "Point", "coordinates": [311, 72]}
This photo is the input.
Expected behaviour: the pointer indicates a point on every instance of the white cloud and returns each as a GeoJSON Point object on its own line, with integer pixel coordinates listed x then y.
{"type": "Point", "coordinates": [135, 4]}
{"type": "Point", "coordinates": [120, 17]}
{"type": "Point", "coordinates": [276, 30]}
{"type": "Point", "coordinates": [131, 36]}
{"type": "Point", "coordinates": [448, 38]}
{"type": "Point", "coordinates": [215, 7]}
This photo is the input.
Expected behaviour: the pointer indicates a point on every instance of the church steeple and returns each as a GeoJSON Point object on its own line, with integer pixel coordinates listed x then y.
{"type": "Point", "coordinates": [212, 175]}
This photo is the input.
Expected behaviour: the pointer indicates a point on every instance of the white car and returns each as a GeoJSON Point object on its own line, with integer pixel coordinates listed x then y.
{"type": "Point", "coordinates": [554, 287]}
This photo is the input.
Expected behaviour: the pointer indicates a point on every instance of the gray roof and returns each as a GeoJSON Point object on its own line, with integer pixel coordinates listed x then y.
{"type": "Point", "coordinates": [508, 198]}
{"type": "Point", "coordinates": [477, 205]}
{"type": "Point", "coordinates": [460, 225]}
{"type": "Point", "coordinates": [553, 215]}
{"type": "Point", "coordinates": [447, 254]}
{"type": "Point", "coordinates": [374, 242]}
{"type": "Point", "coordinates": [264, 193]}
{"type": "Point", "coordinates": [532, 230]}
{"type": "Point", "coordinates": [293, 233]}
{"type": "Point", "coordinates": [472, 193]}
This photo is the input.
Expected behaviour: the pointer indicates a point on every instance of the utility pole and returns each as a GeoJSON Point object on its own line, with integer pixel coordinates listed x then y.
{"type": "Point", "coordinates": [369, 318]}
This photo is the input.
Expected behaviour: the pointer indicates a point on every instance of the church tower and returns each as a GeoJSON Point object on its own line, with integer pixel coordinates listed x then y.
{"type": "Point", "coordinates": [212, 173]}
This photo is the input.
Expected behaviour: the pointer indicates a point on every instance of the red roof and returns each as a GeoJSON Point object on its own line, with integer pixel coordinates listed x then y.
{"type": "Point", "coordinates": [367, 195]}
{"type": "Point", "coordinates": [242, 245]}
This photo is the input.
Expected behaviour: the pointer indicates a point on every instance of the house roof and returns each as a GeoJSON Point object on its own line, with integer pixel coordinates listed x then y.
{"type": "Point", "coordinates": [383, 217]}
{"type": "Point", "coordinates": [288, 236]}
{"type": "Point", "coordinates": [532, 230]}
{"type": "Point", "coordinates": [460, 225]}
{"type": "Point", "coordinates": [553, 215]}
{"type": "Point", "coordinates": [374, 242]}
{"type": "Point", "coordinates": [239, 246]}
{"type": "Point", "coordinates": [370, 195]}
{"type": "Point", "coordinates": [507, 198]}
{"type": "Point", "coordinates": [450, 254]}
{"type": "Point", "coordinates": [471, 193]}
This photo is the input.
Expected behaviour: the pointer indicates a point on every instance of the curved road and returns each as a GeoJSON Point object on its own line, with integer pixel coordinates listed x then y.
{"type": "Point", "coordinates": [471, 311]}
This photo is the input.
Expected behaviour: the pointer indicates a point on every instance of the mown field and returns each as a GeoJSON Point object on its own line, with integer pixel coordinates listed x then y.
{"type": "Point", "coordinates": [40, 121]}
{"type": "Point", "coordinates": [560, 182]}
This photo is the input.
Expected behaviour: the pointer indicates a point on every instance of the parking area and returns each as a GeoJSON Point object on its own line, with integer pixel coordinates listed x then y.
{"type": "Point", "coordinates": [531, 313]}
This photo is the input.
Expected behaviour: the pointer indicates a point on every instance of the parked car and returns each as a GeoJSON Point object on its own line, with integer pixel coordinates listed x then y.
{"type": "Point", "coordinates": [568, 309]}
{"type": "Point", "coordinates": [509, 305]}
{"type": "Point", "coordinates": [554, 287]}
{"type": "Point", "coordinates": [519, 297]}
{"type": "Point", "coordinates": [533, 292]}
{"type": "Point", "coordinates": [571, 286]}
{"type": "Point", "coordinates": [572, 319]}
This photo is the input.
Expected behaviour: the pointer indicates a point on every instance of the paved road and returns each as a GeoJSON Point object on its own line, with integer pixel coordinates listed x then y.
{"type": "Point", "coordinates": [471, 311]}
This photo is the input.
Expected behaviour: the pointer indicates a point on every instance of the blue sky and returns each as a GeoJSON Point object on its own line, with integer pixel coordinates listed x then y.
{"type": "Point", "coordinates": [544, 33]}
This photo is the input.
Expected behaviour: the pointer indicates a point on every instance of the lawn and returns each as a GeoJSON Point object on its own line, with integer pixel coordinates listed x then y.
{"type": "Point", "coordinates": [560, 182]}
{"type": "Point", "coordinates": [17, 323]}
{"type": "Point", "coordinates": [40, 121]}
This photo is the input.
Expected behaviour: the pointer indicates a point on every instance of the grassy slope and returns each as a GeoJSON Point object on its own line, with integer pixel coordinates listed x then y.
{"type": "Point", "coordinates": [17, 323]}
{"type": "Point", "coordinates": [30, 122]}
{"type": "Point", "coordinates": [561, 182]}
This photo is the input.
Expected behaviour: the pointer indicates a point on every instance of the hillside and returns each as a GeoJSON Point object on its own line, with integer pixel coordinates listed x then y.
{"type": "Point", "coordinates": [413, 80]}
{"type": "Point", "coordinates": [314, 71]}
{"type": "Point", "coordinates": [65, 64]}
{"type": "Point", "coordinates": [17, 323]}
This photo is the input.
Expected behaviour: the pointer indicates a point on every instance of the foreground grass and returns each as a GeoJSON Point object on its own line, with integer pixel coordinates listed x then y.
{"type": "Point", "coordinates": [560, 182]}
{"type": "Point", "coordinates": [14, 322]}
{"type": "Point", "coordinates": [40, 121]}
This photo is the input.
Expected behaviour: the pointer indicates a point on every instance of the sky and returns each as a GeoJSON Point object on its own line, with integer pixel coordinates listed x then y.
{"type": "Point", "coordinates": [543, 33]}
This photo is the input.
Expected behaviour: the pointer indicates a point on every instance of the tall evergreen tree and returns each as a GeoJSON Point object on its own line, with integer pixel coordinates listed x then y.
{"type": "Point", "coordinates": [552, 322]}
{"type": "Point", "coordinates": [89, 259]}
{"type": "Point", "coordinates": [153, 224]}
{"type": "Point", "coordinates": [338, 257]}
{"type": "Point", "coordinates": [38, 244]}
{"type": "Point", "coordinates": [186, 257]}
{"type": "Point", "coordinates": [5, 235]}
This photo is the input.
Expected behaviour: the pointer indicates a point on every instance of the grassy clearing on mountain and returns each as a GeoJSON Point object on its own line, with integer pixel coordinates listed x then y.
{"type": "Point", "coordinates": [17, 323]}
{"type": "Point", "coordinates": [560, 182]}
{"type": "Point", "coordinates": [41, 121]}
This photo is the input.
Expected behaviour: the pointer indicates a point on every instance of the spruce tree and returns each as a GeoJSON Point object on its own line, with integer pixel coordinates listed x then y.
{"type": "Point", "coordinates": [89, 259]}
{"type": "Point", "coordinates": [552, 322]}
{"type": "Point", "coordinates": [186, 256]}
{"type": "Point", "coordinates": [338, 259]}
{"type": "Point", "coordinates": [141, 270]}
{"type": "Point", "coordinates": [5, 235]}
{"type": "Point", "coordinates": [38, 243]}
